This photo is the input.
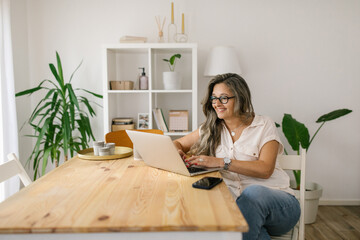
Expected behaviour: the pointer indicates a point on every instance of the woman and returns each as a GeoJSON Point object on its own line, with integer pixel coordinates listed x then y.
{"type": "Point", "coordinates": [245, 145]}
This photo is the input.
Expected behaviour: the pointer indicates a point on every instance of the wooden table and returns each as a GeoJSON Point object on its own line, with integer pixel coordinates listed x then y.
{"type": "Point", "coordinates": [119, 199]}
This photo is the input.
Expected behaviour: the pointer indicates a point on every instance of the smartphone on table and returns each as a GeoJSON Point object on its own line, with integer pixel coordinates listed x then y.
{"type": "Point", "coordinates": [207, 183]}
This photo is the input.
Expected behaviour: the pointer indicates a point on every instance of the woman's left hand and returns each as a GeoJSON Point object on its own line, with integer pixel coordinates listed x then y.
{"type": "Point", "coordinates": [204, 161]}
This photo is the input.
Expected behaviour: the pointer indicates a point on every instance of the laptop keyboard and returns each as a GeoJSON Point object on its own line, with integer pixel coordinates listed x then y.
{"type": "Point", "coordinates": [195, 169]}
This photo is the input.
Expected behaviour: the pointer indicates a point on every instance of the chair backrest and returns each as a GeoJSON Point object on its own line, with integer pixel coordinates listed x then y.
{"type": "Point", "coordinates": [297, 162]}
{"type": "Point", "coordinates": [120, 138]}
{"type": "Point", "coordinates": [13, 167]}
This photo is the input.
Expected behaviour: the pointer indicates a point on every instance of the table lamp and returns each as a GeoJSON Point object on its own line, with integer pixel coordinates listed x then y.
{"type": "Point", "coordinates": [222, 59]}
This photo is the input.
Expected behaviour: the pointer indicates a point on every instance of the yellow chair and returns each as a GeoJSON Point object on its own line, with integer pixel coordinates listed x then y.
{"type": "Point", "coordinates": [120, 138]}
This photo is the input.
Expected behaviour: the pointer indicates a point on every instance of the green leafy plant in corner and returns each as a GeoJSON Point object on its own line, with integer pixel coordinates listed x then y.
{"type": "Point", "coordinates": [59, 122]}
{"type": "Point", "coordinates": [298, 135]}
{"type": "Point", "coordinates": [172, 61]}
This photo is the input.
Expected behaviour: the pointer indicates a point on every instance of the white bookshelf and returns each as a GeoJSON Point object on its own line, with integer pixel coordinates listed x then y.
{"type": "Point", "coordinates": [121, 63]}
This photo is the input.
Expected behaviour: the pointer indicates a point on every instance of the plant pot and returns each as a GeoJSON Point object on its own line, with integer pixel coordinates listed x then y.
{"type": "Point", "coordinates": [172, 80]}
{"type": "Point", "coordinates": [312, 195]}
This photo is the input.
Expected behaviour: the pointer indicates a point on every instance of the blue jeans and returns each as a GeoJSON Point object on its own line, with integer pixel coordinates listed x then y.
{"type": "Point", "coordinates": [267, 211]}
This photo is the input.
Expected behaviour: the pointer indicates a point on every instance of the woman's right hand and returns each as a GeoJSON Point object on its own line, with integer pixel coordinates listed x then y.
{"type": "Point", "coordinates": [182, 154]}
{"type": "Point", "coordinates": [183, 157]}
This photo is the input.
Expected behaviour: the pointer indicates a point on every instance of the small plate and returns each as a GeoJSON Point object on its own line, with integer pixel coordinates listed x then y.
{"type": "Point", "coordinates": [120, 152]}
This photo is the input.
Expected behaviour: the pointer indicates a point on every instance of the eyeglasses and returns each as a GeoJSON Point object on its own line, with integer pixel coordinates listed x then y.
{"type": "Point", "coordinates": [222, 99]}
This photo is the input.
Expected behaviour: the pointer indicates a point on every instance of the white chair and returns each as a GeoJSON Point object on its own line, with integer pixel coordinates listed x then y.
{"type": "Point", "coordinates": [13, 167]}
{"type": "Point", "coordinates": [295, 162]}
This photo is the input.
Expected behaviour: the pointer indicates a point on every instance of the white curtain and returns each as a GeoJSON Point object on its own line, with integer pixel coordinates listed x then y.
{"type": "Point", "coordinates": [8, 122]}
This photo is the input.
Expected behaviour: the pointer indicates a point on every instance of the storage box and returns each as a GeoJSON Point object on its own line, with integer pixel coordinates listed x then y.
{"type": "Point", "coordinates": [115, 127]}
{"type": "Point", "coordinates": [178, 120]}
{"type": "Point", "coordinates": [121, 85]}
{"type": "Point", "coordinates": [122, 124]}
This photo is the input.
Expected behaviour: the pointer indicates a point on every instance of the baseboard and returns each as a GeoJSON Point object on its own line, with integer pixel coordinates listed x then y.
{"type": "Point", "coordinates": [339, 202]}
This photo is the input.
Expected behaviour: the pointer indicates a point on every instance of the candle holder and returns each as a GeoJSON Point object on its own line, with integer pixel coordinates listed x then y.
{"type": "Point", "coordinates": [182, 37]}
{"type": "Point", "coordinates": [172, 30]}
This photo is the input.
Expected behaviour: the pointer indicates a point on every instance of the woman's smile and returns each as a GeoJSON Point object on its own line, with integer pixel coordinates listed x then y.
{"type": "Point", "coordinates": [225, 110]}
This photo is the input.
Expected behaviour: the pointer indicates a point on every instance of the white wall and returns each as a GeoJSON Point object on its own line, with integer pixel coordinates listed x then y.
{"type": "Point", "coordinates": [298, 57]}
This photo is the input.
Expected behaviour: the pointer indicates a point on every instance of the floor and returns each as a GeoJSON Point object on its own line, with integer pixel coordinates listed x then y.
{"type": "Point", "coordinates": [335, 222]}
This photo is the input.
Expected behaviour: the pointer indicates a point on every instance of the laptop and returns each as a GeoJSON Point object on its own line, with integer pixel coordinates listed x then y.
{"type": "Point", "coordinates": [158, 151]}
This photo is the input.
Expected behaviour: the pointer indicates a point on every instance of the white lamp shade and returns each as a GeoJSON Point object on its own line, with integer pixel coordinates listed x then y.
{"type": "Point", "coordinates": [222, 60]}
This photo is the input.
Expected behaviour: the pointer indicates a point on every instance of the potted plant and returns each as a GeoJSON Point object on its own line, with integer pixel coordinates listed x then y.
{"type": "Point", "coordinates": [60, 120]}
{"type": "Point", "coordinates": [172, 79]}
{"type": "Point", "coordinates": [297, 134]}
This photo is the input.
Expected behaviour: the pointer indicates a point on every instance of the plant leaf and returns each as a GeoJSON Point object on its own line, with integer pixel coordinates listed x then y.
{"type": "Point", "coordinates": [87, 104]}
{"type": "Point", "coordinates": [60, 71]}
{"type": "Point", "coordinates": [54, 72]}
{"type": "Point", "coordinates": [45, 160]}
{"type": "Point", "coordinates": [29, 91]}
{"type": "Point", "coordinates": [67, 132]}
{"type": "Point", "coordinates": [173, 57]}
{"type": "Point", "coordinates": [94, 94]}
{"type": "Point", "coordinates": [72, 96]}
{"type": "Point", "coordinates": [295, 132]}
{"type": "Point", "coordinates": [333, 115]}
{"type": "Point", "coordinates": [75, 71]}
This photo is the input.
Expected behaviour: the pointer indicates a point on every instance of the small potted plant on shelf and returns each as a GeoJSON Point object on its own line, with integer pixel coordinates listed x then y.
{"type": "Point", "coordinates": [297, 134]}
{"type": "Point", "coordinates": [172, 79]}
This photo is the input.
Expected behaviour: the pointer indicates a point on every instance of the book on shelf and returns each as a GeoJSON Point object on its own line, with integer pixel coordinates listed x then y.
{"type": "Point", "coordinates": [156, 119]}
{"type": "Point", "coordinates": [133, 39]}
{"type": "Point", "coordinates": [160, 120]}
{"type": "Point", "coordinates": [163, 120]}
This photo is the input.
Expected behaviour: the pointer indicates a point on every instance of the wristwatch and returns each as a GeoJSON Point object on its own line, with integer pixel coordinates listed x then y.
{"type": "Point", "coordinates": [227, 162]}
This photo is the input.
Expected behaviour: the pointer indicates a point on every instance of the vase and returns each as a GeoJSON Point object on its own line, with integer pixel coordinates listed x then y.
{"type": "Point", "coordinates": [313, 192]}
{"type": "Point", "coordinates": [172, 80]}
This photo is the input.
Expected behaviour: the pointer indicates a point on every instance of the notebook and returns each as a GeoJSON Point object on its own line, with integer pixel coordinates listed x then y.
{"type": "Point", "coordinates": [159, 151]}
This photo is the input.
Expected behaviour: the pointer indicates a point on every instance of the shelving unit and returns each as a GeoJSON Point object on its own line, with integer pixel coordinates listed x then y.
{"type": "Point", "coordinates": [121, 63]}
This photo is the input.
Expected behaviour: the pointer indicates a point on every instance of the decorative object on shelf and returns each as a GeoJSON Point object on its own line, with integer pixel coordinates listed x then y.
{"type": "Point", "coordinates": [143, 80]}
{"type": "Point", "coordinates": [297, 134]}
{"type": "Point", "coordinates": [133, 39]}
{"type": "Point", "coordinates": [182, 37]}
{"type": "Point", "coordinates": [121, 85]}
{"type": "Point", "coordinates": [222, 59]}
{"type": "Point", "coordinates": [178, 120]}
{"type": "Point", "coordinates": [172, 79]}
{"type": "Point", "coordinates": [143, 121]}
{"type": "Point", "coordinates": [160, 120]}
{"type": "Point", "coordinates": [60, 124]}
{"type": "Point", "coordinates": [160, 38]}
{"type": "Point", "coordinates": [172, 29]}
{"type": "Point", "coordinates": [122, 124]}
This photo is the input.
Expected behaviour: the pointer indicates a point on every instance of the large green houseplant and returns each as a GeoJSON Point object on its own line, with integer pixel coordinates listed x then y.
{"type": "Point", "coordinates": [60, 120]}
{"type": "Point", "coordinates": [298, 135]}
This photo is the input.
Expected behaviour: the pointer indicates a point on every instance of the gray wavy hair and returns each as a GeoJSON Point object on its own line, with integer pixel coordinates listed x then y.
{"type": "Point", "coordinates": [211, 129]}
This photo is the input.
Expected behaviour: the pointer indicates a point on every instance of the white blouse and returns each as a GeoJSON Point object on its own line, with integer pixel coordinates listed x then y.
{"type": "Point", "coordinates": [247, 148]}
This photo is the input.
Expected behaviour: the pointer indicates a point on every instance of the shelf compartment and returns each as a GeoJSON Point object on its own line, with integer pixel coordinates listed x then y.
{"type": "Point", "coordinates": [173, 101]}
{"type": "Point", "coordinates": [122, 106]}
{"type": "Point", "coordinates": [183, 66]}
{"type": "Point", "coordinates": [124, 64]}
